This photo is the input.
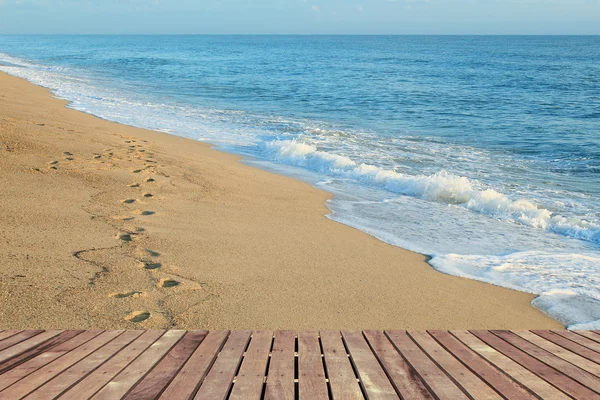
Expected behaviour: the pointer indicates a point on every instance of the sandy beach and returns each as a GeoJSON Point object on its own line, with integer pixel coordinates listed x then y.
{"type": "Point", "coordinates": [108, 226]}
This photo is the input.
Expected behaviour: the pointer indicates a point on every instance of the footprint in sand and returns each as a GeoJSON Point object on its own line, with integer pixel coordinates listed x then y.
{"type": "Point", "coordinates": [145, 212]}
{"type": "Point", "coordinates": [53, 162]}
{"type": "Point", "coordinates": [128, 201]}
{"type": "Point", "coordinates": [149, 180]}
{"type": "Point", "coordinates": [147, 195]}
{"type": "Point", "coordinates": [97, 156]}
{"type": "Point", "coordinates": [150, 264]}
{"type": "Point", "coordinates": [66, 153]}
{"type": "Point", "coordinates": [137, 316]}
{"type": "Point", "coordinates": [122, 218]}
{"type": "Point", "coordinates": [69, 158]}
{"type": "Point", "coordinates": [125, 295]}
{"type": "Point", "coordinates": [52, 167]}
{"type": "Point", "coordinates": [136, 171]}
{"type": "Point", "coordinates": [126, 237]}
{"type": "Point", "coordinates": [168, 283]}
{"type": "Point", "coordinates": [152, 253]}
{"type": "Point", "coordinates": [134, 185]}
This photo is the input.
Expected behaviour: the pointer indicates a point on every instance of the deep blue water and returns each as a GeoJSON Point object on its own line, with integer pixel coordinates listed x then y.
{"type": "Point", "coordinates": [482, 151]}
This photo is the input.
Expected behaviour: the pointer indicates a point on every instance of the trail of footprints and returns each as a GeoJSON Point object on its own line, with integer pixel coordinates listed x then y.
{"type": "Point", "coordinates": [134, 153]}
{"type": "Point", "coordinates": [148, 262]}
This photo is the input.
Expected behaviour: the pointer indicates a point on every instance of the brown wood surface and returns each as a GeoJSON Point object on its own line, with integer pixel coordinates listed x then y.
{"type": "Point", "coordinates": [493, 376]}
{"type": "Point", "coordinates": [26, 345]}
{"type": "Point", "coordinates": [565, 367]}
{"type": "Point", "coordinates": [405, 379]}
{"type": "Point", "coordinates": [251, 377]}
{"type": "Point", "coordinates": [126, 379]}
{"type": "Point", "coordinates": [76, 365]}
{"type": "Point", "coordinates": [81, 369]}
{"type": "Point", "coordinates": [44, 374]}
{"type": "Point", "coordinates": [92, 383]}
{"type": "Point", "coordinates": [23, 370]}
{"type": "Point", "coordinates": [155, 382]}
{"type": "Point", "coordinates": [30, 353]}
{"type": "Point", "coordinates": [373, 378]}
{"type": "Point", "coordinates": [579, 344]}
{"type": "Point", "coordinates": [560, 351]}
{"type": "Point", "coordinates": [8, 333]}
{"type": "Point", "coordinates": [189, 378]}
{"type": "Point", "coordinates": [589, 335]}
{"type": "Point", "coordinates": [516, 371]}
{"type": "Point", "coordinates": [433, 377]}
{"type": "Point", "coordinates": [342, 380]}
{"type": "Point", "coordinates": [219, 380]}
{"type": "Point", "coordinates": [311, 373]}
{"type": "Point", "coordinates": [470, 382]}
{"type": "Point", "coordinates": [559, 380]}
{"type": "Point", "coordinates": [17, 338]}
{"type": "Point", "coordinates": [280, 381]}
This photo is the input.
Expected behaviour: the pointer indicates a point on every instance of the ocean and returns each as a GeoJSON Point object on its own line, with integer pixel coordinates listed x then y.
{"type": "Point", "coordinates": [482, 152]}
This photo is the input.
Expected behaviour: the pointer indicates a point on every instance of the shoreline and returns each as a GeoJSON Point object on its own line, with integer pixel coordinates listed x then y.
{"type": "Point", "coordinates": [210, 243]}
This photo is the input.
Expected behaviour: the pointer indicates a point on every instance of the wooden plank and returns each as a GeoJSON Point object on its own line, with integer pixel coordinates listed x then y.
{"type": "Point", "coordinates": [44, 374]}
{"type": "Point", "coordinates": [576, 373]}
{"type": "Point", "coordinates": [311, 373]}
{"type": "Point", "coordinates": [589, 335]}
{"type": "Point", "coordinates": [403, 377]}
{"type": "Point", "coordinates": [134, 372]}
{"type": "Point", "coordinates": [373, 378]}
{"type": "Point", "coordinates": [471, 383]}
{"type": "Point", "coordinates": [496, 379]}
{"type": "Point", "coordinates": [37, 350]}
{"type": "Point", "coordinates": [25, 345]}
{"type": "Point", "coordinates": [523, 376]}
{"type": "Point", "coordinates": [561, 381]}
{"type": "Point", "coordinates": [559, 351]}
{"type": "Point", "coordinates": [189, 378]}
{"type": "Point", "coordinates": [342, 380]}
{"type": "Point", "coordinates": [251, 378]}
{"type": "Point", "coordinates": [280, 378]}
{"type": "Point", "coordinates": [580, 340]}
{"type": "Point", "coordinates": [157, 380]}
{"type": "Point", "coordinates": [219, 379]}
{"type": "Point", "coordinates": [18, 338]}
{"type": "Point", "coordinates": [23, 370]}
{"type": "Point", "coordinates": [7, 334]}
{"type": "Point", "coordinates": [87, 387]}
{"type": "Point", "coordinates": [434, 378]}
{"type": "Point", "coordinates": [80, 370]}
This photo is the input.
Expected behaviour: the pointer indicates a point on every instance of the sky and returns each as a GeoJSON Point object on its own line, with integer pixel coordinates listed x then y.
{"type": "Point", "coordinates": [300, 17]}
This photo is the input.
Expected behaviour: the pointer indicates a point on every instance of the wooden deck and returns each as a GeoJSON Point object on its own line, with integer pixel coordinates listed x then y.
{"type": "Point", "coordinates": [174, 364]}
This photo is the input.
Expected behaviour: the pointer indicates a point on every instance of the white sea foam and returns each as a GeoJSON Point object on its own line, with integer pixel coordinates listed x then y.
{"type": "Point", "coordinates": [568, 285]}
{"type": "Point", "coordinates": [442, 187]}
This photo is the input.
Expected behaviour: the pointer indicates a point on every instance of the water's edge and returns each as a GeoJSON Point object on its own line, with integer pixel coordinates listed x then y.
{"type": "Point", "coordinates": [537, 302]}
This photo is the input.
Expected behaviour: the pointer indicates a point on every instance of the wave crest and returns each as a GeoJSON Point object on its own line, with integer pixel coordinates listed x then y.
{"type": "Point", "coordinates": [442, 187]}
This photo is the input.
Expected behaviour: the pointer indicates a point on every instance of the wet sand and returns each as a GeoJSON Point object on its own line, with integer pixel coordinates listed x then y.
{"type": "Point", "coordinates": [108, 226]}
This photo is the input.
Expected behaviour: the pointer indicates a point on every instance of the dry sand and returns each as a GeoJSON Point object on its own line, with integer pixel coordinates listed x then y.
{"type": "Point", "coordinates": [108, 226]}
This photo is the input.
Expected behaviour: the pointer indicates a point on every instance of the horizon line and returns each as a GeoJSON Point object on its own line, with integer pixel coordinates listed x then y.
{"type": "Point", "coordinates": [299, 34]}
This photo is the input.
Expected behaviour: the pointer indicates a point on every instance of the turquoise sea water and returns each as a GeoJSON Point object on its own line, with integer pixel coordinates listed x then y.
{"type": "Point", "coordinates": [481, 151]}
